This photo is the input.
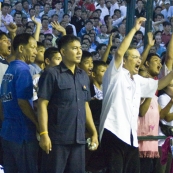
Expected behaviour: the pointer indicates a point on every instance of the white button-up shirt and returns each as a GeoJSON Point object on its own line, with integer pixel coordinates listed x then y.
{"type": "Point", "coordinates": [121, 101]}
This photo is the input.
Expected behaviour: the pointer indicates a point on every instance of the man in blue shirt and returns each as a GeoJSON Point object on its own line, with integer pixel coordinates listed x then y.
{"type": "Point", "coordinates": [19, 125]}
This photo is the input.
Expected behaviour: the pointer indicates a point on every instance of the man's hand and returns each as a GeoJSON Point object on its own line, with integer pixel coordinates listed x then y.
{"type": "Point", "coordinates": [94, 143]}
{"type": "Point", "coordinates": [36, 23]}
{"type": "Point", "coordinates": [58, 27]}
{"type": "Point", "coordinates": [151, 40]}
{"type": "Point", "coordinates": [139, 22]}
{"type": "Point", "coordinates": [110, 40]}
{"type": "Point", "coordinates": [45, 143]}
{"type": "Point", "coordinates": [11, 27]}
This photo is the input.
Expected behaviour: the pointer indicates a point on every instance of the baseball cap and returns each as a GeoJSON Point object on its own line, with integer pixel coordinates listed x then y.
{"type": "Point", "coordinates": [167, 2]}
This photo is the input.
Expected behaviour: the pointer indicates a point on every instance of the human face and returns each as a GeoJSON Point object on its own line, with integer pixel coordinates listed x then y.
{"type": "Point", "coordinates": [87, 65]}
{"type": "Point", "coordinates": [29, 31]}
{"type": "Point", "coordinates": [25, 5]}
{"type": "Point", "coordinates": [41, 38]}
{"type": "Point", "coordinates": [88, 26]}
{"type": "Point", "coordinates": [31, 24]}
{"type": "Point", "coordinates": [132, 62]}
{"type": "Point", "coordinates": [154, 66]}
{"type": "Point", "coordinates": [102, 50]}
{"type": "Point", "coordinates": [152, 50]}
{"type": "Point", "coordinates": [5, 46]}
{"type": "Point", "coordinates": [122, 29]}
{"type": "Point", "coordinates": [66, 18]}
{"type": "Point", "coordinates": [139, 37]}
{"type": "Point", "coordinates": [84, 16]}
{"type": "Point", "coordinates": [45, 23]}
{"type": "Point", "coordinates": [117, 42]}
{"type": "Point", "coordinates": [104, 29]}
{"type": "Point", "coordinates": [29, 51]}
{"type": "Point", "coordinates": [37, 9]}
{"type": "Point", "coordinates": [40, 54]}
{"type": "Point", "coordinates": [5, 10]}
{"type": "Point", "coordinates": [32, 12]}
{"type": "Point", "coordinates": [72, 53]}
{"type": "Point", "coordinates": [55, 60]}
{"type": "Point", "coordinates": [158, 10]}
{"type": "Point", "coordinates": [167, 28]}
{"type": "Point", "coordinates": [46, 8]}
{"type": "Point", "coordinates": [85, 47]}
{"type": "Point", "coordinates": [47, 43]}
{"type": "Point", "coordinates": [19, 7]}
{"type": "Point", "coordinates": [98, 75]}
{"type": "Point", "coordinates": [58, 6]}
{"type": "Point", "coordinates": [18, 19]}
{"type": "Point", "coordinates": [158, 40]}
{"type": "Point", "coordinates": [78, 13]}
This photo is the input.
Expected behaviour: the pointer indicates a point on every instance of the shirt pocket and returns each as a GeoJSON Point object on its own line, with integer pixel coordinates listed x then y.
{"type": "Point", "coordinates": [65, 92]}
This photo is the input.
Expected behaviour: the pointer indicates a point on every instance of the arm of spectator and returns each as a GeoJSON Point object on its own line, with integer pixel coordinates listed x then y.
{"type": "Point", "coordinates": [144, 107]}
{"type": "Point", "coordinates": [151, 42]}
{"type": "Point", "coordinates": [45, 142]}
{"type": "Point", "coordinates": [58, 27]}
{"type": "Point", "coordinates": [91, 127]}
{"type": "Point", "coordinates": [28, 111]}
{"type": "Point", "coordinates": [126, 42]}
{"type": "Point", "coordinates": [163, 82]}
{"type": "Point", "coordinates": [169, 54]}
{"type": "Point", "coordinates": [109, 26]}
{"type": "Point", "coordinates": [164, 113]}
{"type": "Point", "coordinates": [38, 28]}
{"type": "Point", "coordinates": [118, 21]}
{"type": "Point", "coordinates": [106, 53]}
{"type": "Point", "coordinates": [73, 7]}
{"type": "Point", "coordinates": [1, 112]}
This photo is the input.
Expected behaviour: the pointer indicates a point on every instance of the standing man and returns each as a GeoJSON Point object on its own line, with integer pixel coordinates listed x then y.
{"type": "Point", "coordinates": [122, 90]}
{"type": "Point", "coordinates": [63, 111]}
{"type": "Point", "coordinates": [19, 125]}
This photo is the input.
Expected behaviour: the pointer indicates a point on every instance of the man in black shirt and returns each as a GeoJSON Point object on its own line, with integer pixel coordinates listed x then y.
{"type": "Point", "coordinates": [63, 111]}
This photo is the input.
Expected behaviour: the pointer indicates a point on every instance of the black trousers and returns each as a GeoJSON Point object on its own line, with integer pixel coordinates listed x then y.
{"type": "Point", "coordinates": [119, 156]}
{"type": "Point", "coordinates": [64, 159]}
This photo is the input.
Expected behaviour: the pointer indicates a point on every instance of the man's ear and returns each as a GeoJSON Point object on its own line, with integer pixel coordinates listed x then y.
{"type": "Point", "coordinates": [93, 75]}
{"type": "Point", "coordinates": [124, 61]}
{"type": "Point", "coordinates": [20, 48]}
{"type": "Point", "coordinates": [47, 61]}
{"type": "Point", "coordinates": [146, 64]}
{"type": "Point", "coordinates": [62, 51]}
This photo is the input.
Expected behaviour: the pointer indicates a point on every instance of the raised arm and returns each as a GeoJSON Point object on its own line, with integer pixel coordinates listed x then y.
{"type": "Point", "coordinates": [38, 28]}
{"type": "Point", "coordinates": [150, 43]}
{"type": "Point", "coordinates": [58, 27]}
{"type": "Point", "coordinates": [169, 55]}
{"type": "Point", "coordinates": [126, 42]}
{"type": "Point", "coordinates": [106, 53]}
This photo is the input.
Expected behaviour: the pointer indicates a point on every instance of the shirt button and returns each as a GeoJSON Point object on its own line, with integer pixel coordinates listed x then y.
{"type": "Point", "coordinates": [78, 109]}
{"type": "Point", "coordinates": [78, 99]}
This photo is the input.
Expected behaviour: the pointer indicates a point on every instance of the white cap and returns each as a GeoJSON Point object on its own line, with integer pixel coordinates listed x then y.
{"type": "Point", "coordinates": [167, 1]}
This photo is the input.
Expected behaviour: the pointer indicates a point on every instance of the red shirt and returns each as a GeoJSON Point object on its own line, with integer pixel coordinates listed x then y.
{"type": "Point", "coordinates": [166, 38]}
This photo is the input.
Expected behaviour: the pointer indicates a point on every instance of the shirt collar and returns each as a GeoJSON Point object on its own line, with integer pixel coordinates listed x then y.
{"type": "Point", "coordinates": [64, 68]}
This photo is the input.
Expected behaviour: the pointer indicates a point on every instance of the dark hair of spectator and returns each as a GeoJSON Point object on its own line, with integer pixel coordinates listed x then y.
{"type": "Point", "coordinates": [106, 18]}
{"type": "Point", "coordinates": [66, 15]}
{"type": "Point", "coordinates": [166, 23]}
{"type": "Point", "coordinates": [86, 39]}
{"type": "Point", "coordinates": [54, 15]}
{"type": "Point", "coordinates": [161, 15]}
{"type": "Point", "coordinates": [44, 19]}
{"type": "Point", "coordinates": [2, 34]}
{"type": "Point", "coordinates": [27, 24]}
{"type": "Point", "coordinates": [23, 1]}
{"type": "Point", "coordinates": [69, 29]}
{"type": "Point", "coordinates": [65, 40]}
{"type": "Point", "coordinates": [5, 5]}
{"type": "Point", "coordinates": [88, 21]}
{"type": "Point", "coordinates": [85, 55]}
{"type": "Point", "coordinates": [157, 7]}
{"type": "Point", "coordinates": [113, 47]}
{"type": "Point", "coordinates": [44, 16]}
{"type": "Point", "coordinates": [117, 10]}
{"type": "Point", "coordinates": [139, 32]}
{"type": "Point", "coordinates": [150, 55]}
{"type": "Point", "coordinates": [17, 3]}
{"type": "Point", "coordinates": [50, 52]}
{"type": "Point", "coordinates": [31, 9]}
{"type": "Point", "coordinates": [99, 47]}
{"type": "Point", "coordinates": [17, 13]}
{"type": "Point", "coordinates": [21, 39]}
{"type": "Point", "coordinates": [36, 5]}
{"type": "Point", "coordinates": [40, 44]}
{"type": "Point", "coordinates": [97, 64]}
{"type": "Point", "coordinates": [157, 32]}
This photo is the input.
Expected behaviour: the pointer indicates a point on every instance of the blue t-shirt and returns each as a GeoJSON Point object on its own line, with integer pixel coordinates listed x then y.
{"type": "Point", "coordinates": [16, 84]}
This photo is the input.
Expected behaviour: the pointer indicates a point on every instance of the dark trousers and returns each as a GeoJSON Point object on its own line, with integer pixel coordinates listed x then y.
{"type": "Point", "coordinates": [119, 156]}
{"type": "Point", "coordinates": [159, 168]}
{"type": "Point", "coordinates": [20, 158]}
{"type": "Point", "coordinates": [64, 159]}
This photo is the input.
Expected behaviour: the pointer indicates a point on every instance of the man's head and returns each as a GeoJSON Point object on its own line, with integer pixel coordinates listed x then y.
{"type": "Point", "coordinates": [5, 45]}
{"type": "Point", "coordinates": [88, 25]}
{"type": "Point", "coordinates": [98, 71]}
{"type": "Point", "coordinates": [25, 4]}
{"type": "Point", "coordinates": [158, 40]}
{"type": "Point", "coordinates": [30, 24]}
{"type": "Point", "coordinates": [86, 62]}
{"type": "Point", "coordinates": [122, 29]}
{"type": "Point", "coordinates": [47, 43]}
{"type": "Point", "coordinates": [25, 47]}
{"type": "Point", "coordinates": [58, 5]}
{"type": "Point", "coordinates": [36, 8]}
{"type": "Point", "coordinates": [167, 27]}
{"type": "Point", "coordinates": [117, 12]}
{"type": "Point", "coordinates": [101, 48]}
{"type": "Point", "coordinates": [46, 8]}
{"type": "Point", "coordinates": [139, 36]}
{"type": "Point", "coordinates": [45, 22]}
{"type": "Point", "coordinates": [158, 10]}
{"type": "Point", "coordinates": [132, 60]}
{"type": "Point", "coordinates": [31, 12]}
{"type": "Point", "coordinates": [153, 64]}
{"type": "Point", "coordinates": [28, 30]}
{"type": "Point", "coordinates": [85, 47]}
{"type": "Point", "coordinates": [70, 48]}
{"type": "Point", "coordinates": [40, 53]}
{"type": "Point", "coordinates": [78, 12]}
{"type": "Point", "coordinates": [18, 6]}
{"type": "Point", "coordinates": [66, 18]}
{"type": "Point", "coordinates": [158, 17]}
{"type": "Point", "coordinates": [18, 17]}
{"type": "Point", "coordinates": [52, 57]}
{"type": "Point", "coordinates": [54, 18]}
{"type": "Point", "coordinates": [5, 8]}
{"type": "Point", "coordinates": [103, 29]}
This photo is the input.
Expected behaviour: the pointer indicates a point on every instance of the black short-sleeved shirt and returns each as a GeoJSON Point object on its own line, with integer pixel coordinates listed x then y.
{"type": "Point", "coordinates": [67, 94]}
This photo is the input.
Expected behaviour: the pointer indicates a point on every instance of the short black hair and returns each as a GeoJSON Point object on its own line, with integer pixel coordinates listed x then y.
{"type": "Point", "coordinates": [150, 55]}
{"type": "Point", "coordinates": [2, 34]}
{"type": "Point", "coordinates": [166, 23]}
{"type": "Point", "coordinates": [40, 44]}
{"type": "Point", "coordinates": [5, 5]}
{"type": "Point", "coordinates": [88, 21]}
{"type": "Point", "coordinates": [86, 55]}
{"type": "Point", "coordinates": [17, 12]}
{"type": "Point", "coordinates": [65, 40]}
{"type": "Point", "coordinates": [117, 10]}
{"type": "Point", "coordinates": [97, 64]}
{"type": "Point", "coordinates": [99, 47]}
{"type": "Point", "coordinates": [50, 52]}
{"type": "Point", "coordinates": [21, 39]}
{"type": "Point", "coordinates": [139, 32]}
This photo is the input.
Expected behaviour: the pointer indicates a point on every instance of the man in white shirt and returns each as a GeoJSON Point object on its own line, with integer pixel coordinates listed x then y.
{"type": "Point", "coordinates": [104, 9]}
{"type": "Point", "coordinates": [122, 90]}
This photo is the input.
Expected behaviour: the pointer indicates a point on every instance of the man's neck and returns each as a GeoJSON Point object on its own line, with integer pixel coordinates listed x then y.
{"type": "Point", "coordinates": [70, 66]}
{"type": "Point", "coordinates": [97, 84]}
